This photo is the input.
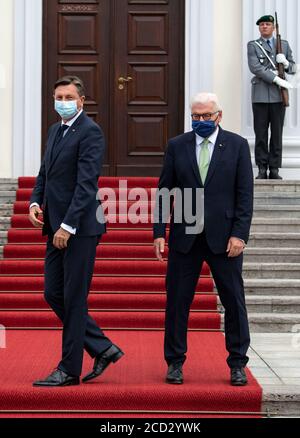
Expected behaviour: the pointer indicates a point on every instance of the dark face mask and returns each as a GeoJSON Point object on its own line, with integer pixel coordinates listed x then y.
{"type": "Point", "coordinates": [204, 128]}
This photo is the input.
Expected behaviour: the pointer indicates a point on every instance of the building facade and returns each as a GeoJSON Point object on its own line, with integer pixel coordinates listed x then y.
{"type": "Point", "coordinates": [211, 40]}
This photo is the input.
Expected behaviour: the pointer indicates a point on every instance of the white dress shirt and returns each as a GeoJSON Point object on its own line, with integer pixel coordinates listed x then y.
{"type": "Point", "coordinates": [68, 123]}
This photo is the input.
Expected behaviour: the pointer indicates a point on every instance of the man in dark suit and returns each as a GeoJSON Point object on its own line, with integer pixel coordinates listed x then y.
{"type": "Point", "coordinates": [65, 192]}
{"type": "Point", "coordinates": [218, 161]}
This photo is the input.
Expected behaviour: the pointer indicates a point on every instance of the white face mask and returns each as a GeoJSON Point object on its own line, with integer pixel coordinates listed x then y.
{"type": "Point", "coordinates": [66, 109]}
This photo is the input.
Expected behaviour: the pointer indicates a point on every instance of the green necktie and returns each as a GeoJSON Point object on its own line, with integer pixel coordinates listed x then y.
{"type": "Point", "coordinates": [204, 160]}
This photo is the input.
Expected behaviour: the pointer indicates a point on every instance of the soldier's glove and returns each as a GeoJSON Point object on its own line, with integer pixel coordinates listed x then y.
{"type": "Point", "coordinates": [282, 83]}
{"type": "Point", "coordinates": [281, 59]}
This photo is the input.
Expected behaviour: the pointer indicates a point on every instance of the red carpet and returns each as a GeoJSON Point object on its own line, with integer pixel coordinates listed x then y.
{"type": "Point", "coordinates": [135, 383]}
{"type": "Point", "coordinates": [103, 252]}
{"type": "Point", "coordinates": [105, 301]}
{"type": "Point", "coordinates": [21, 207]}
{"type": "Point", "coordinates": [103, 267]}
{"type": "Point", "coordinates": [109, 319]}
{"type": "Point", "coordinates": [128, 297]}
{"type": "Point", "coordinates": [99, 284]}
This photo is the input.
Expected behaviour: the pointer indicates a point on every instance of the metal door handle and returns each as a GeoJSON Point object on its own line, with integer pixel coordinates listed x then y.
{"type": "Point", "coordinates": [122, 81]}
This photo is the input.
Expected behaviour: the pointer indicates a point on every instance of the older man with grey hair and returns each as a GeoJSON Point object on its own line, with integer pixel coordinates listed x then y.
{"type": "Point", "coordinates": [219, 162]}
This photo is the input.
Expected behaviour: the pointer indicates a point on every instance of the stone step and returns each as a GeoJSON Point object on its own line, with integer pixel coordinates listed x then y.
{"type": "Point", "coordinates": [272, 287]}
{"type": "Point", "coordinates": [277, 186]}
{"type": "Point", "coordinates": [4, 223]}
{"type": "Point", "coordinates": [274, 225]}
{"type": "Point", "coordinates": [281, 400]}
{"type": "Point", "coordinates": [272, 196]}
{"type": "Point", "coordinates": [270, 304]}
{"type": "Point", "coordinates": [270, 322]}
{"type": "Point", "coordinates": [274, 240]}
{"type": "Point", "coordinates": [272, 255]}
{"type": "Point", "coordinates": [260, 211]}
{"type": "Point", "coordinates": [261, 198]}
{"type": "Point", "coordinates": [6, 210]}
{"type": "Point", "coordinates": [273, 322]}
{"type": "Point", "coordinates": [259, 225]}
{"type": "Point", "coordinates": [8, 184]}
{"type": "Point", "coordinates": [266, 186]}
{"type": "Point", "coordinates": [277, 211]}
{"type": "Point", "coordinates": [7, 196]}
{"type": "Point", "coordinates": [275, 363]}
{"type": "Point", "coordinates": [3, 237]}
{"type": "Point", "coordinates": [272, 270]}
{"type": "Point", "coordinates": [273, 304]}
{"type": "Point", "coordinates": [263, 185]}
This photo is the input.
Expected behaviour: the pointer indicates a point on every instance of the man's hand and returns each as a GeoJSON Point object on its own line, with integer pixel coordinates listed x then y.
{"type": "Point", "coordinates": [282, 83]}
{"type": "Point", "coordinates": [159, 248]}
{"type": "Point", "coordinates": [235, 247]}
{"type": "Point", "coordinates": [60, 240]}
{"type": "Point", "coordinates": [281, 59]}
{"type": "Point", "coordinates": [33, 216]}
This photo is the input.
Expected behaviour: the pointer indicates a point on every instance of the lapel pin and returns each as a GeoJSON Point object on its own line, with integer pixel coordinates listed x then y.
{"type": "Point", "coordinates": [220, 145]}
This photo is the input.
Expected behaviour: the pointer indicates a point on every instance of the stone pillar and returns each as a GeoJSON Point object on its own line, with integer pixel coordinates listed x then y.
{"type": "Point", "coordinates": [27, 89]}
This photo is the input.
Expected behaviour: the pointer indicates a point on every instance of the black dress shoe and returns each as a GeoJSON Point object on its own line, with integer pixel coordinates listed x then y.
{"type": "Point", "coordinates": [274, 174]}
{"type": "Point", "coordinates": [174, 374]}
{"type": "Point", "coordinates": [58, 378]}
{"type": "Point", "coordinates": [113, 354]}
{"type": "Point", "coordinates": [262, 173]}
{"type": "Point", "coordinates": [238, 377]}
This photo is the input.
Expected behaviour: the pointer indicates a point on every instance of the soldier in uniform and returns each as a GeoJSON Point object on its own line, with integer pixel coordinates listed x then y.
{"type": "Point", "coordinates": [268, 108]}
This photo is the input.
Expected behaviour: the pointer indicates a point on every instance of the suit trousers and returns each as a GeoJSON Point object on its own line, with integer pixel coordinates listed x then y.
{"type": "Point", "coordinates": [182, 277]}
{"type": "Point", "coordinates": [68, 275]}
{"type": "Point", "coordinates": [268, 115]}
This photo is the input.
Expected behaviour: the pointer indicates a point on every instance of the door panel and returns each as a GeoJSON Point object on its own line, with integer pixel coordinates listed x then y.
{"type": "Point", "coordinates": [149, 50]}
{"type": "Point", "coordinates": [76, 43]}
{"type": "Point", "coordinates": [102, 41]}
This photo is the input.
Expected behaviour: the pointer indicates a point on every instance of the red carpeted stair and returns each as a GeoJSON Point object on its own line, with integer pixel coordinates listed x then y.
{"type": "Point", "coordinates": [135, 384]}
{"type": "Point", "coordinates": [128, 297]}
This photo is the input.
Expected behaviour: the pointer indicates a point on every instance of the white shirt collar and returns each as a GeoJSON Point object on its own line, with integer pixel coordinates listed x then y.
{"type": "Point", "coordinates": [70, 122]}
{"type": "Point", "coordinates": [212, 139]}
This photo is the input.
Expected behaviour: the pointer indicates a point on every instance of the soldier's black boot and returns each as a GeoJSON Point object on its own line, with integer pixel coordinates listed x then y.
{"type": "Point", "coordinates": [262, 173]}
{"type": "Point", "coordinates": [274, 173]}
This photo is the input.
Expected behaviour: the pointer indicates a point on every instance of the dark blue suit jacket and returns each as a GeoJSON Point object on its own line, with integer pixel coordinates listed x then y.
{"type": "Point", "coordinates": [228, 190]}
{"type": "Point", "coordinates": [67, 183]}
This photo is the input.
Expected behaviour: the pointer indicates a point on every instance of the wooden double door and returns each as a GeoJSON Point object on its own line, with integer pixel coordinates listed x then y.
{"type": "Point", "coordinates": [130, 54]}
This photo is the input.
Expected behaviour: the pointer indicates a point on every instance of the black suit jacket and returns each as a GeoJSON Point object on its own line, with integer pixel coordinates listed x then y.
{"type": "Point", "coordinates": [67, 183]}
{"type": "Point", "coordinates": [228, 190]}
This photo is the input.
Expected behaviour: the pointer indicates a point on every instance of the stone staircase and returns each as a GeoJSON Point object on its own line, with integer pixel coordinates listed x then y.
{"type": "Point", "coordinates": [272, 284]}
{"type": "Point", "coordinates": [8, 189]}
{"type": "Point", "coordinates": [272, 258]}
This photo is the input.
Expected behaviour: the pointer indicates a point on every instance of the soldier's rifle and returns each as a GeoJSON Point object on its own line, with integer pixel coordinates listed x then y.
{"type": "Point", "coordinates": [281, 71]}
